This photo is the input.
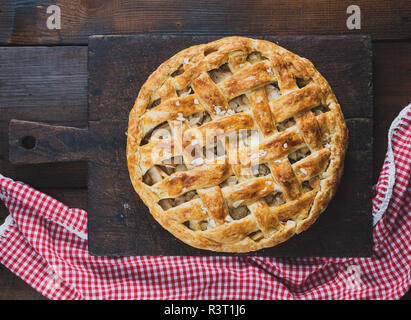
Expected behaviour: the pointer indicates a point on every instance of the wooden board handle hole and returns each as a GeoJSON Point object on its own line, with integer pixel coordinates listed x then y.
{"type": "Point", "coordinates": [28, 142]}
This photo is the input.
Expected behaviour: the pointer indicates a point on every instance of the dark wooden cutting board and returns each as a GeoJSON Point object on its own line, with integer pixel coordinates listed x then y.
{"type": "Point", "coordinates": [118, 222]}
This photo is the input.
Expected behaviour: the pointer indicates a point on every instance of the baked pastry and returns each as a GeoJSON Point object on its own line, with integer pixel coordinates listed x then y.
{"type": "Point", "coordinates": [190, 157]}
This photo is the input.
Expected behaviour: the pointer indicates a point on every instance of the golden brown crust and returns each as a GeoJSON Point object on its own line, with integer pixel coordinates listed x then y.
{"type": "Point", "coordinates": [239, 84]}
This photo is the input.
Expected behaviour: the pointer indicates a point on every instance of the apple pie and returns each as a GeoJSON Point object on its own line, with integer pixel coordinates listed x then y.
{"type": "Point", "coordinates": [236, 145]}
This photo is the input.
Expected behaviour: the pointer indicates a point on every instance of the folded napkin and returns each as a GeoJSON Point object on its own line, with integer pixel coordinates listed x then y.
{"type": "Point", "coordinates": [45, 243]}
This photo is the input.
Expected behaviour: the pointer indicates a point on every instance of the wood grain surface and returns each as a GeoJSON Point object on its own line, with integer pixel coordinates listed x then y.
{"type": "Point", "coordinates": [47, 84]}
{"type": "Point", "coordinates": [23, 22]}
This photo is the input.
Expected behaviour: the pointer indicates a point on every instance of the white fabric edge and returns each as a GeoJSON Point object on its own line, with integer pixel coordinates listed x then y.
{"type": "Point", "coordinates": [3, 196]}
{"type": "Point", "coordinates": [8, 222]}
{"type": "Point", "coordinates": [391, 167]}
{"type": "Point", "coordinates": [79, 234]}
{"type": "Point", "coordinates": [9, 218]}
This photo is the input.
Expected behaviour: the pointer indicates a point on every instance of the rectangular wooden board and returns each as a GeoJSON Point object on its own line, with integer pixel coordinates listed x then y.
{"type": "Point", "coordinates": [120, 224]}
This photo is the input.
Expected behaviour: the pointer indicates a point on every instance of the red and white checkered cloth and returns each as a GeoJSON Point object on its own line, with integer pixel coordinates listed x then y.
{"type": "Point", "coordinates": [45, 243]}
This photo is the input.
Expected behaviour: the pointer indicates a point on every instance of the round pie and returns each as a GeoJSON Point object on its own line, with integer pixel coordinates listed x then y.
{"type": "Point", "coordinates": [236, 145]}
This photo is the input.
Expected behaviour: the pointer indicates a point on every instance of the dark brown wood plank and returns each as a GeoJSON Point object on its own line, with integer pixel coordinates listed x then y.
{"type": "Point", "coordinates": [4, 132]}
{"type": "Point", "coordinates": [43, 83]}
{"type": "Point", "coordinates": [119, 224]}
{"type": "Point", "coordinates": [35, 142]}
{"type": "Point", "coordinates": [7, 10]}
{"type": "Point", "coordinates": [25, 22]}
{"type": "Point", "coordinates": [47, 175]}
{"type": "Point", "coordinates": [112, 200]}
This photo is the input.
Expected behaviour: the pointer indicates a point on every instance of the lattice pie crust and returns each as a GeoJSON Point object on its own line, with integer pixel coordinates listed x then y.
{"type": "Point", "coordinates": [237, 200]}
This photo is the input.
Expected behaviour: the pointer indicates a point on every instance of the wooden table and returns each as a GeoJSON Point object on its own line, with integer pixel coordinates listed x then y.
{"type": "Point", "coordinates": [43, 73]}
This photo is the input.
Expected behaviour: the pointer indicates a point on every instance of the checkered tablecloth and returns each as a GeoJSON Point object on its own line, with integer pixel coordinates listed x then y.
{"type": "Point", "coordinates": [45, 243]}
